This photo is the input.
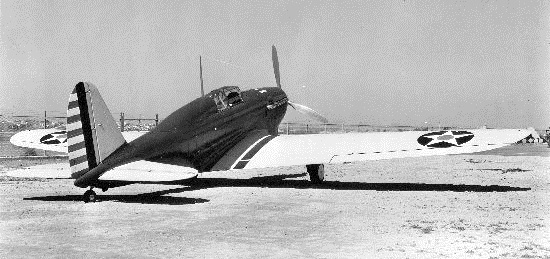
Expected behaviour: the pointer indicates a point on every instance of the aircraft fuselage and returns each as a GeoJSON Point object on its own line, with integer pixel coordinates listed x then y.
{"type": "Point", "coordinates": [200, 133]}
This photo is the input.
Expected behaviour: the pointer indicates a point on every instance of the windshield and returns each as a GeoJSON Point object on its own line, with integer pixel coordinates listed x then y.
{"type": "Point", "coordinates": [227, 97]}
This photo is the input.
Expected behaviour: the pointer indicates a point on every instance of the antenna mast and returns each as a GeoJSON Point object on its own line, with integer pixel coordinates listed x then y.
{"type": "Point", "coordinates": [202, 83]}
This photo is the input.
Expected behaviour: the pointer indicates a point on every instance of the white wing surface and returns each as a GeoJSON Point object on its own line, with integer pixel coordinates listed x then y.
{"type": "Point", "coordinates": [46, 139]}
{"type": "Point", "coordinates": [288, 150]}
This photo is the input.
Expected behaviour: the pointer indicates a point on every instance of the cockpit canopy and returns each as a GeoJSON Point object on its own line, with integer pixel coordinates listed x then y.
{"type": "Point", "coordinates": [226, 97]}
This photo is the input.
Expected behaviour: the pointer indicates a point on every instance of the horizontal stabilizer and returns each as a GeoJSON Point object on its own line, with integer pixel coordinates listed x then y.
{"type": "Point", "coordinates": [49, 171]}
{"type": "Point", "coordinates": [139, 171]}
{"type": "Point", "coordinates": [146, 171]}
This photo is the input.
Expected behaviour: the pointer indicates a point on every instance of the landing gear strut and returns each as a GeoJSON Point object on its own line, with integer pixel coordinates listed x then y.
{"type": "Point", "coordinates": [316, 172]}
{"type": "Point", "coordinates": [89, 196]}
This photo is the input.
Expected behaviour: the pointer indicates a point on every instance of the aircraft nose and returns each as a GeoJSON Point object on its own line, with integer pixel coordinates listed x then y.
{"type": "Point", "coordinates": [277, 94]}
{"type": "Point", "coordinates": [276, 98]}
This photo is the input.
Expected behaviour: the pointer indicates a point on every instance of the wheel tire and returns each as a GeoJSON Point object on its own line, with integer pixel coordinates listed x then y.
{"type": "Point", "coordinates": [89, 196]}
{"type": "Point", "coordinates": [316, 173]}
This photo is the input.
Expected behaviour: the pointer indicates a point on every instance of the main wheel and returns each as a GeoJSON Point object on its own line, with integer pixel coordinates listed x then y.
{"type": "Point", "coordinates": [316, 172]}
{"type": "Point", "coordinates": [89, 196]}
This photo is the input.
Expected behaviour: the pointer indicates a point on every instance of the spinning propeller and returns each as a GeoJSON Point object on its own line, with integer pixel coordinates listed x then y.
{"type": "Point", "coordinates": [298, 107]}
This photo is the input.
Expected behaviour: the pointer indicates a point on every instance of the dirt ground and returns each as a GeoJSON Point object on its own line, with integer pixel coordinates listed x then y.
{"type": "Point", "coordinates": [489, 205]}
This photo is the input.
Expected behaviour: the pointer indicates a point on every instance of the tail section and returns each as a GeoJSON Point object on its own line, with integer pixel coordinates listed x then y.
{"type": "Point", "coordinates": [92, 133]}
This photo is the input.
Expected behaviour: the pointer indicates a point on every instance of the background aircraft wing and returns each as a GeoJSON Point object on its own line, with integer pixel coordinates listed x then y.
{"type": "Point", "coordinates": [54, 139]}
{"type": "Point", "coordinates": [288, 150]}
{"type": "Point", "coordinates": [45, 139]}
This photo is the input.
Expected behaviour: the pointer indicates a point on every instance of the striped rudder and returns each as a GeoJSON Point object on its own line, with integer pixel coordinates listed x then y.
{"type": "Point", "coordinates": [92, 133]}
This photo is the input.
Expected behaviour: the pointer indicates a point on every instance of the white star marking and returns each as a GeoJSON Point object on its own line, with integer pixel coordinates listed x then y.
{"type": "Point", "coordinates": [61, 136]}
{"type": "Point", "coordinates": [447, 137]}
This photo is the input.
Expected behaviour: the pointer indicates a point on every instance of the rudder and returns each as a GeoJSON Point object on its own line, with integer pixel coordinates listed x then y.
{"type": "Point", "coordinates": [92, 133]}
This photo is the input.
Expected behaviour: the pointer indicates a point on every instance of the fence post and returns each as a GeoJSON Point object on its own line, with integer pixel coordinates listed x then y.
{"type": "Point", "coordinates": [325, 128]}
{"type": "Point", "coordinates": [343, 128]}
{"type": "Point", "coordinates": [121, 122]}
{"type": "Point", "coordinates": [156, 119]}
{"type": "Point", "coordinates": [45, 122]}
{"type": "Point", "coordinates": [287, 128]}
{"type": "Point", "coordinates": [307, 128]}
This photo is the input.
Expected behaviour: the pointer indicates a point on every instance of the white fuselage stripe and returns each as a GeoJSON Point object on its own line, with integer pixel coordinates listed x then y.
{"type": "Point", "coordinates": [75, 140]}
{"type": "Point", "coordinates": [74, 125]}
{"type": "Point", "coordinates": [73, 97]}
{"type": "Point", "coordinates": [73, 112]}
{"type": "Point", "coordinates": [78, 153]}
{"type": "Point", "coordinates": [246, 151]}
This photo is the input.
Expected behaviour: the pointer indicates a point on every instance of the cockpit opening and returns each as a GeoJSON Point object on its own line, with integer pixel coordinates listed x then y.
{"type": "Point", "coordinates": [227, 97]}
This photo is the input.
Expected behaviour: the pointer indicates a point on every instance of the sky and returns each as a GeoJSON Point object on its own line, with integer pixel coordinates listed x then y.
{"type": "Point", "coordinates": [400, 62]}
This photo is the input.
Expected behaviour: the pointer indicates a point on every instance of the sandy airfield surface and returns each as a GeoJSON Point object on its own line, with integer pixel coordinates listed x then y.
{"type": "Point", "coordinates": [463, 206]}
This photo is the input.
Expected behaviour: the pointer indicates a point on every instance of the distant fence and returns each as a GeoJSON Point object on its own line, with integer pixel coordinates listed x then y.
{"type": "Point", "coordinates": [51, 119]}
{"type": "Point", "coordinates": [316, 128]}
{"type": "Point", "coordinates": [124, 124]}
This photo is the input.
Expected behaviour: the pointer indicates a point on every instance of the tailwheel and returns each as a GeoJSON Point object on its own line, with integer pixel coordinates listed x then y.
{"type": "Point", "coordinates": [89, 196]}
{"type": "Point", "coordinates": [316, 172]}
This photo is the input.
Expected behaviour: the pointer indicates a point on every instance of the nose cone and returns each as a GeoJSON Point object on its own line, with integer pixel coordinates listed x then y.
{"type": "Point", "coordinates": [276, 94]}
{"type": "Point", "coordinates": [275, 97]}
{"type": "Point", "coordinates": [276, 108]}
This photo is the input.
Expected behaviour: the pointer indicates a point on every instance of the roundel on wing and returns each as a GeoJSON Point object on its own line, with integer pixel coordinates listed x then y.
{"type": "Point", "coordinates": [54, 138]}
{"type": "Point", "coordinates": [445, 139]}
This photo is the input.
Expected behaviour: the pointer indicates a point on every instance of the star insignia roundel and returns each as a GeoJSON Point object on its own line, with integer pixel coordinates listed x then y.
{"type": "Point", "coordinates": [445, 139]}
{"type": "Point", "coordinates": [54, 138]}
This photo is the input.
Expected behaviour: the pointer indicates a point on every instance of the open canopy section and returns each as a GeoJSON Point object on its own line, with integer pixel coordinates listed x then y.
{"type": "Point", "coordinates": [226, 97]}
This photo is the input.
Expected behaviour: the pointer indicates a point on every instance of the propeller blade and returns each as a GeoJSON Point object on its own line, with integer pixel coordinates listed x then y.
{"type": "Point", "coordinates": [275, 60]}
{"type": "Point", "coordinates": [300, 108]}
{"type": "Point", "coordinates": [308, 111]}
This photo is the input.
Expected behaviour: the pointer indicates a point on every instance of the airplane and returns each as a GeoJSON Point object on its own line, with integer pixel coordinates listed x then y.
{"type": "Point", "coordinates": [224, 130]}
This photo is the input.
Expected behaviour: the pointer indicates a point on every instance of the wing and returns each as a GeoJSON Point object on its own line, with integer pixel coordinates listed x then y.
{"type": "Point", "coordinates": [288, 150]}
{"type": "Point", "coordinates": [54, 139]}
{"type": "Point", "coordinates": [139, 171]}
{"type": "Point", "coordinates": [46, 139]}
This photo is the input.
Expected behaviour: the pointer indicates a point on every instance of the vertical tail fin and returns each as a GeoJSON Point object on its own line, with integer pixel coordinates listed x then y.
{"type": "Point", "coordinates": [92, 133]}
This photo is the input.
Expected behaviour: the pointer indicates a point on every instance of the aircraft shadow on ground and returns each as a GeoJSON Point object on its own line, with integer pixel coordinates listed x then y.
{"type": "Point", "coordinates": [280, 181]}
{"type": "Point", "coordinates": [146, 198]}
{"type": "Point", "coordinates": [277, 181]}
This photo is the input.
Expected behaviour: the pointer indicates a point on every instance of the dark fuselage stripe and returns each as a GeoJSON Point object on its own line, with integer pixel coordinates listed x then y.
{"type": "Point", "coordinates": [72, 119]}
{"type": "Point", "coordinates": [74, 133]}
{"type": "Point", "coordinates": [241, 164]}
{"type": "Point", "coordinates": [76, 147]}
{"type": "Point", "coordinates": [73, 104]}
{"type": "Point", "coordinates": [257, 148]}
{"type": "Point", "coordinates": [86, 126]}
{"type": "Point", "coordinates": [77, 160]}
